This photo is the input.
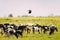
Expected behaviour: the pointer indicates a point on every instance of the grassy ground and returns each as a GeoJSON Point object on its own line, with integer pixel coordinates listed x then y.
{"type": "Point", "coordinates": [34, 20]}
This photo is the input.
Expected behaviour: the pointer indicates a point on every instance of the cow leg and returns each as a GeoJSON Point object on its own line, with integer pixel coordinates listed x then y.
{"type": "Point", "coordinates": [28, 31]}
{"type": "Point", "coordinates": [2, 33]}
{"type": "Point", "coordinates": [51, 32]}
{"type": "Point", "coordinates": [38, 31]}
{"type": "Point", "coordinates": [19, 33]}
{"type": "Point", "coordinates": [41, 29]}
{"type": "Point", "coordinates": [16, 35]}
{"type": "Point", "coordinates": [44, 31]}
{"type": "Point", "coordinates": [33, 31]}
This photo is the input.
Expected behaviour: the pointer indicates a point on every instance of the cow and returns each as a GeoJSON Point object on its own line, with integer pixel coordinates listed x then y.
{"type": "Point", "coordinates": [9, 29]}
{"type": "Point", "coordinates": [45, 29]}
{"type": "Point", "coordinates": [5, 27]}
{"type": "Point", "coordinates": [28, 29]}
{"type": "Point", "coordinates": [52, 29]}
{"type": "Point", "coordinates": [35, 28]}
{"type": "Point", "coordinates": [20, 30]}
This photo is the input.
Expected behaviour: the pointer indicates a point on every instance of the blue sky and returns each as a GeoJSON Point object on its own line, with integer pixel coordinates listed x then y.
{"type": "Point", "coordinates": [21, 7]}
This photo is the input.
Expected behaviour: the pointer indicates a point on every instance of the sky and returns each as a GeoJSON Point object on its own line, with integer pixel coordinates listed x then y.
{"type": "Point", "coordinates": [21, 7]}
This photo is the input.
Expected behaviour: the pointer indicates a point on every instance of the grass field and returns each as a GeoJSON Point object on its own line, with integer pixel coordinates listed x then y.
{"type": "Point", "coordinates": [34, 20]}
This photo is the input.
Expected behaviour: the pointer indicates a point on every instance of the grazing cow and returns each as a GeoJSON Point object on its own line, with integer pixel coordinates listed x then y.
{"type": "Point", "coordinates": [20, 30]}
{"type": "Point", "coordinates": [45, 29]}
{"type": "Point", "coordinates": [5, 27]}
{"type": "Point", "coordinates": [28, 29]}
{"type": "Point", "coordinates": [36, 28]}
{"type": "Point", "coordinates": [52, 29]}
{"type": "Point", "coordinates": [9, 29]}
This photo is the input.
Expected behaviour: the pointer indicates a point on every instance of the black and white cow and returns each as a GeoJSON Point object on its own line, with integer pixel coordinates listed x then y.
{"type": "Point", "coordinates": [5, 27]}
{"type": "Point", "coordinates": [45, 29]}
{"type": "Point", "coordinates": [20, 30]}
{"type": "Point", "coordinates": [9, 29]}
{"type": "Point", "coordinates": [28, 29]}
{"type": "Point", "coordinates": [35, 28]}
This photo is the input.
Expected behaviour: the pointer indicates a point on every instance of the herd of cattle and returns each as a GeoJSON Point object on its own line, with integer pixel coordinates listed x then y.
{"type": "Point", "coordinates": [12, 29]}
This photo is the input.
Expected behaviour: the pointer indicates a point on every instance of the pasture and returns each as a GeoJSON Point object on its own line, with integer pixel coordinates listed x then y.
{"type": "Point", "coordinates": [34, 20]}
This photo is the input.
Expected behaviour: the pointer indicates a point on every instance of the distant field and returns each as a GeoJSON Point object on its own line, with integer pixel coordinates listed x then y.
{"type": "Point", "coordinates": [34, 20]}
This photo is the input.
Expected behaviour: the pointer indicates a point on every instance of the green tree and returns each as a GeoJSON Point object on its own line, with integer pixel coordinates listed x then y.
{"type": "Point", "coordinates": [10, 15]}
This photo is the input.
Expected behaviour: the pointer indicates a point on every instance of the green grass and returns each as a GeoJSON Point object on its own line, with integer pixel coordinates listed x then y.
{"type": "Point", "coordinates": [31, 36]}
{"type": "Point", "coordinates": [34, 20]}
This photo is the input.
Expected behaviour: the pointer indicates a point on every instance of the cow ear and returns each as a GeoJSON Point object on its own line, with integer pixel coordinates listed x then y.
{"type": "Point", "coordinates": [29, 11]}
